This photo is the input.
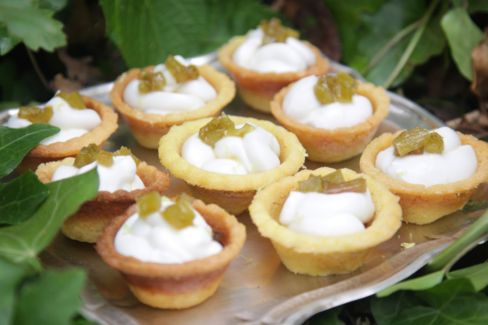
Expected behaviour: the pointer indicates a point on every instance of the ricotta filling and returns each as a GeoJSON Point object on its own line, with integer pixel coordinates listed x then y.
{"type": "Point", "coordinates": [122, 175]}
{"type": "Point", "coordinates": [72, 122]}
{"type": "Point", "coordinates": [301, 104]}
{"type": "Point", "coordinates": [455, 163]}
{"type": "Point", "coordinates": [323, 214]}
{"type": "Point", "coordinates": [257, 151]}
{"type": "Point", "coordinates": [174, 97]}
{"type": "Point", "coordinates": [152, 239]}
{"type": "Point", "coordinates": [290, 56]}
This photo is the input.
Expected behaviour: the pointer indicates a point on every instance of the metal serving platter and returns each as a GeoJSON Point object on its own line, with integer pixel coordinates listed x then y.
{"type": "Point", "coordinates": [257, 288]}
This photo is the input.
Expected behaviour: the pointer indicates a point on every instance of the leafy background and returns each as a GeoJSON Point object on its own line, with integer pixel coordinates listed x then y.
{"type": "Point", "coordinates": [419, 48]}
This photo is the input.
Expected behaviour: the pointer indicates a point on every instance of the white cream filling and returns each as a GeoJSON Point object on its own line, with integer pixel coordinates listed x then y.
{"type": "Point", "coordinates": [122, 175]}
{"type": "Point", "coordinates": [327, 214]}
{"type": "Point", "coordinates": [152, 239]}
{"type": "Point", "coordinates": [301, 104]}
{"type": "Point", "coordinates": [455, 163]}
{"type": "Point", "coordinates": [174, 97]}
{"type": "Point", "coordinates": [257, 151]}
{"type": "Point", "coordinates": [290, 56]}
{"type": "Point", "coordinates": [71, 121]}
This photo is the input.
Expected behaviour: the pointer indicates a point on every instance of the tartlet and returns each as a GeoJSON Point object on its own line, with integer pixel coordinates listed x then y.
{"type": "Point", "coordinates": [338, 144]}
{"type": "Point", "coordinates": [177, 286]}
{"type": "Point", "coordinates": [421, 204]}
{"type": "Point", "coordinates": [232, 192]}
{"type": "Point", "coordinates": [257, 88]}
{"type": "Point", "coordinates": [148, 128]}
{"type": "Point", "coordinates": [59, 150]}
{"type": "Point", "coordinates": [88, 222]}
{"type": "Point", "coordinates": [318, 255]}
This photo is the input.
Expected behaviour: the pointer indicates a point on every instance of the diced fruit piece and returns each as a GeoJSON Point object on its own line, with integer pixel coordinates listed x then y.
{"type": "Point", "coordinates": [332, 183]}
{"type": "Point", "coordinates": [433, 143]}
{"type": "Point", "coordinates": [312, 184]}
{"type": "Point", "coordinates": [180, 214]}
{"type": "Point", "coordinates": [180, 72]}
{"type": "Point", "coordinates": [74, 99]}
{"type": "Point", "coordinates": [335, 88]}
{"type": "Point", "coordinates": [274, 31]}
{"type": "Point", "coordinates": [105, 158]}
{"type": "Point", "coordinates": [220, 127]}
{"type": "Point", "coordinates": [148, 203]}
{"type": "Point", "coordinates": [417, 140]}
{"type": "Point", "coordinates": [151, 81]}
{"type": "Point", "coordinates": [357, 185]}
{"type": "Point", "coordinates": [86, 155]}
{"type": "Point", "coordinates": [36, 114]}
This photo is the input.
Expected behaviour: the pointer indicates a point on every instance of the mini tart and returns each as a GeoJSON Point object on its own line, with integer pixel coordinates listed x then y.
{"type": "Point", "coordinates": [257, 88]}
{"type": "Point", "coordinates": [422, 205]}
{"type": "Point", "coordinates": [88, 222]}
{"type": "Point", "coordinates": [148, 128]}
{"type": "Point", "coordinates": [232, 192]}
{"type": "Point", "coordinates": [342, 143]}
{"type": "Point", "coordinates": [59, 150]}
{"type": "Point", "coordinates": [320, 255]}
{"type": "Point", "coordinates": [177, 286]}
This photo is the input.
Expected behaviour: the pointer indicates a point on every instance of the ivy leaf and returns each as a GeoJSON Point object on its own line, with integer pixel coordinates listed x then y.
{"type": "Point", "coordinates": [22, 242]}
{"type": "Point", "coordinates": [462, 35]}
{"type": "Point", "coordinates": [20, 198]}
{"type": "Point", "coordinates": [15, 144]}
{"type": "Point", "coordinates": [476, 274]}
{"type": "Point", "coordinates": [31, 25]}
{"type": "Point", "coordinates": [52, 298]}
{"type": "Point", "coordinates": [421, 283]}
{"type": "Point", "coordinates": [11, 276]}
{"type": "Point", "coordinates": [157, 28]}
{"type": "Point", "coordinates": [387, 309]}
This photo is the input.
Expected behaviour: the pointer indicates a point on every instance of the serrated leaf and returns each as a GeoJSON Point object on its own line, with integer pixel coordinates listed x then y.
{"type": "Point", "coordinates": [15, 144]}
{"type": "Point", "coordinates": [20, 198]}
{"type": "Point", "coordinates": [31, 25]}
{"type": "Point", "coordinates": [11, 276]}
{"type": "Point", "coordinates": [7, 42]}
{"type": "Point", "coordinates": [421, 283]}
{"type": "Point", "coordinates": [462, 36]}
{"type": "Point", "coordinates": [24, 241]}
{"type": "Point", "coordinates": [52, 298]}
{"type": "Point", "coordinates": [157, 28]}
{"type": "Point", "coordinates": [476, 274]}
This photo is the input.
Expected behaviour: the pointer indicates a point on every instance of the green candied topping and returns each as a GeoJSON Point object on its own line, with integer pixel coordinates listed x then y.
{"type": "Point", "coordinates": [92, 153]}
{"type": "Point", "coordinates": [417, 140]}
{"type": "Point", "coordinates": [36, 114]}
{"type": "Point", "coordinates": [148, 203]}
{"type": "Point", "coordinates": [151, 81]}
{"type": "Point", "coordinates": [124, 151]}
{"type": "Point", "coordinates": [180, 72]}
{"type": "Point", "coordinates": [105, 158]}
{"type": "Point", "coordinates": [74, 99]}
{"type": "Point", "coordinates": [180, 214]}
{"type": "Point", "coordinates": [274, 31]}
{"type": "Point", "coordinates": [332, 183]}
{"type": "Point", "coordinates": [220, 127]}
{"type": "Point", "coordinates": [335, 88]}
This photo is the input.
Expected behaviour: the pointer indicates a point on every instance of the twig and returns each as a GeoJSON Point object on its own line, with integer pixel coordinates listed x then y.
{"type": "Point", "coordinates": [37, 69]}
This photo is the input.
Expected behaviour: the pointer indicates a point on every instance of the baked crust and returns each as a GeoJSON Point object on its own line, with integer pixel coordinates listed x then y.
{"type": "Point", "coordinates": [320, 255]}
{"type": "Point", "coordinates": [420, 204]}
{"type": "Point", "coordinates": [88, 222]}
{"type": "Point", "coordinates": [232, 192]}
{"type": "Point", "coordinates": [148, 128]}
{"type": "Point", "coordinates": [338, 144]}
{"type": "Point", "coordinates": [177, 286]}
{"type": "Point", "coordinates": [258, 88]}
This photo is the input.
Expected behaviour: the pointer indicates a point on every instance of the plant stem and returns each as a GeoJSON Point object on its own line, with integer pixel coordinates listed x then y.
{"type": "Point", "coordinates": [37, 69]}
{"type": "Point", "coordinates": [474, 232]}
{"type": "Point", "coordinates": [390, 44]}
{"type": "Point", "coordinates": [411, 45]}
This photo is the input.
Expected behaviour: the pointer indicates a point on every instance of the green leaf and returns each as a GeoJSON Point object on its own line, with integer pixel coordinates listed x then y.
{"type": "Point", "coordinates": [421, 283]}
{"type": "Point", "coordinates": [33, 26]}
{"type": "Point", "coordinates": [476, 274]}
{"type": "Point", "coordinates": [328, 317]}
{"type": "Point", "coordinates": [15, 144]}
{"type": "Point", "coordinates": [22, 242]}
{"type": "Point", "coordinates": [157, 28]}
{"type": "Point", "coordinates": [478, 6]}
{"type": "Point", "coordinates": [7, 42]}
{"type": "Point", "coordinates": [11, 276]}
{"type": "Point", "coordinates": [387, 309]}
{"type": "Point", "coordinates": [462, 35]}
{"type": "Point", "coordinates": [55, 5]}
{"type": "Point", "coordinates": [20, 198]}
{"type": "Point", "coordinates": [53, 298]}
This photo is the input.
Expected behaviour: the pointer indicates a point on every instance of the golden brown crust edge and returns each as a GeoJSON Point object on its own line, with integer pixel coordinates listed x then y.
{"type": "Point", "coordinates": [339, 144]}
{"type": "Point", "coordinates": [420, 204]}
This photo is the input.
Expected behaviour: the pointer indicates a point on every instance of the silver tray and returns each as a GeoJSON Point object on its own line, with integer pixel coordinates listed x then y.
{"type": "Point", "coordinates": [257, 288]}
